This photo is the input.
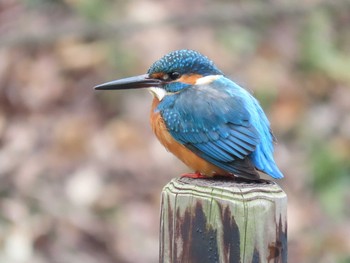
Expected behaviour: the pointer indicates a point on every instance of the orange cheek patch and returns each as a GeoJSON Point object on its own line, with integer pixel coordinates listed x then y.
{"type": "Point", "coordinates": [157, 75]}
{"type": "Point", "coordinates": [189, 79]}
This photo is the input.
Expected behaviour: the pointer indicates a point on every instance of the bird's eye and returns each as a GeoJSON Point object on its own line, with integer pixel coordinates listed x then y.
{"type": "Point", "coordinates": [171, 76]}
{"type": "Point", "coordinates": [174, 75]}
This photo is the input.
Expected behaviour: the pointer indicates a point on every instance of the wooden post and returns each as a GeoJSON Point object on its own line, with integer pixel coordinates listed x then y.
{"type": "Point", "coordinates": [224, 221]}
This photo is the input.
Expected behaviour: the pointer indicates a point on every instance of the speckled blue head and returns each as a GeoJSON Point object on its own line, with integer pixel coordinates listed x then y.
{"type": "Point", "coordinates": [184, 62]}
{"type": "Point", "coordinates": [181, 68]}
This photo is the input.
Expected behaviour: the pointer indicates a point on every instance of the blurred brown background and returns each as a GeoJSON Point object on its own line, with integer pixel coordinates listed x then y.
{"type": "Point", "coordinates": [81, 172]}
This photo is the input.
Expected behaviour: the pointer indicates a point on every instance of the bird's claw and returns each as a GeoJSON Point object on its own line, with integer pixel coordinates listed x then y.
{"type": "Point", "coordinates": [196, 175]}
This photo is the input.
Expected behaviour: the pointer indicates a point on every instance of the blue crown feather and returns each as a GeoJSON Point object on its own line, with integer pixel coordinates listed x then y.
{"type": "Point", "coordinates": [185, 62]}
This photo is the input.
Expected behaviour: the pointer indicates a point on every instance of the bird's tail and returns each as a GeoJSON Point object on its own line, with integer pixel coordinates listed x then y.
{"type": "Point", "coordinates": [267, 165]}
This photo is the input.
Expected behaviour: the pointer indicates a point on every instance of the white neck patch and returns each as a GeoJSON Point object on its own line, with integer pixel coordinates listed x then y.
{"type": "Point", "coordinates": [159, 93]}
{"type": "Point", "coordinates": [207, 79]}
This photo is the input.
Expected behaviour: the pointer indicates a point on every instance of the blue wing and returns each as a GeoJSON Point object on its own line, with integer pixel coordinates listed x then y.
{"type": "Point", "coordinates": [221, 123]}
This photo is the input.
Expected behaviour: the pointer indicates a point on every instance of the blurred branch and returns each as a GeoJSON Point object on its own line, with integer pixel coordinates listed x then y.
{"type": "Point", "coordinates": [222, 15]}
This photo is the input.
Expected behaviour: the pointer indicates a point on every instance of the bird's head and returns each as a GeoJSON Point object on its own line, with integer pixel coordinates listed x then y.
{"type": "Point", "coordinates": [172, 73]}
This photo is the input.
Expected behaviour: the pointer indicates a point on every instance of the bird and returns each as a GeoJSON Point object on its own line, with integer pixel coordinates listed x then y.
{"type": "Point", "coordinates": [213, 125]}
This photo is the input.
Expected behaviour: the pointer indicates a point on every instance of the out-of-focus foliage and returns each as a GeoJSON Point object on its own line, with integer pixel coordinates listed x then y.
{"type": "Point", "coordinates": [81, 172]}
{"type": "Point", "coordinates": [320, 51]}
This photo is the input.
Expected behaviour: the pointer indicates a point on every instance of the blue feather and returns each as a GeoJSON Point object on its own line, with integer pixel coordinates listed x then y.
{"type": "Point", "coordinates": [214, 152]}
{"type": "Point", "coordinates": [242, 144]}
{"type": "Point", "coordinates": [224, 124]}
{"type": "Point", "coordinates": [229, 148]}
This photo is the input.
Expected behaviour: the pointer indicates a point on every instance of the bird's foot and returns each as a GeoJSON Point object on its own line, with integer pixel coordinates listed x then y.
{"type": "Point", "coordinates": [196, 175]}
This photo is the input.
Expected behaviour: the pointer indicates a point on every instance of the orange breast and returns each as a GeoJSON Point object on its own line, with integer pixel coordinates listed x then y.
{"type": "Point", "coordinates": [188, 157]}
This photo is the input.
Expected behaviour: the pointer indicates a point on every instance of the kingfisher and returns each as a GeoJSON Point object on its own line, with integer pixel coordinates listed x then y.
{"type": "Point", "coordinates": [209, 122]}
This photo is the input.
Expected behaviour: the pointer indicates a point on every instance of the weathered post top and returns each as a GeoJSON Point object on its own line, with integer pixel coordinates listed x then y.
{"type": "Point", "coordinates": [223, 220]}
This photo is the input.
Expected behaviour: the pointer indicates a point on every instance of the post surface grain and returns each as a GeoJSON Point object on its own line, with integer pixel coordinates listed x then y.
{"type": "Point", "coordinates": [220, 220]}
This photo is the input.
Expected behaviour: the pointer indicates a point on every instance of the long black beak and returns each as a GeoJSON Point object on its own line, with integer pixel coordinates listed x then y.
{"type": "Point", "coordinates": [137, 82]}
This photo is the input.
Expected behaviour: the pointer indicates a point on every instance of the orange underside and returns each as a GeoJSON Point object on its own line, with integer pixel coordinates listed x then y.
{"type": "Point", "coordinates": [188, 157]}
